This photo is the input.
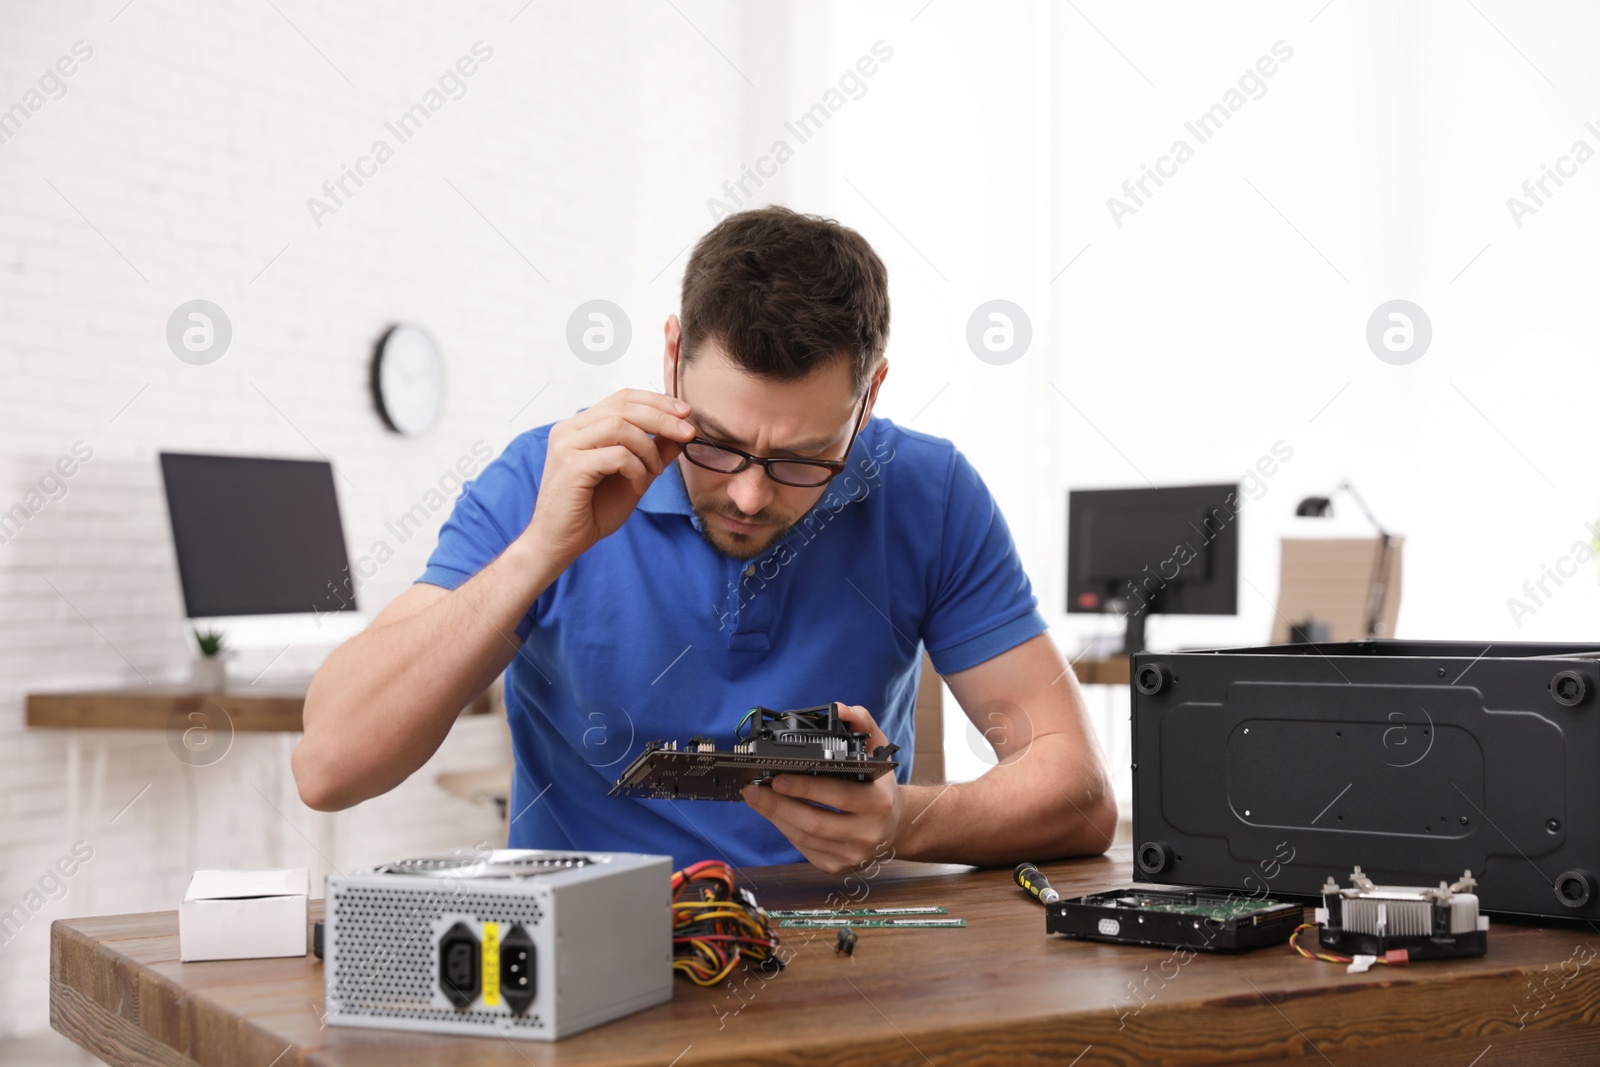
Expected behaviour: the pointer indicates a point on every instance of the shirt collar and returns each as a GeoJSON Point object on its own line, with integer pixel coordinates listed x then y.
{"type": "Point", "coordinates": [666, 495]}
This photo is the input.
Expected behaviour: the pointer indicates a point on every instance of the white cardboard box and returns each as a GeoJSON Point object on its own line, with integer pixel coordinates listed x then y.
{"type": "Point", "coordinates": [244, 915]}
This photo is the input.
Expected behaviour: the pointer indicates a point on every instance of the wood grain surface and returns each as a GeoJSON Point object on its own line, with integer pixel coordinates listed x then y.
{"type": "Point", "coordinates": [999, 991]}
{"type": "Point", "coordinates": [248, 708]}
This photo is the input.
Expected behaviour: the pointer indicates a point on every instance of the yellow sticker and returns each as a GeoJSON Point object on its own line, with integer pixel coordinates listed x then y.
{"type": "Point", "coordinates": [491, 965]}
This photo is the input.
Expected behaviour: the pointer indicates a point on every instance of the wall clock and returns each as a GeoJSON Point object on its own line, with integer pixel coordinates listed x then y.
{"type": "Point", "coordinates": [408, 380]}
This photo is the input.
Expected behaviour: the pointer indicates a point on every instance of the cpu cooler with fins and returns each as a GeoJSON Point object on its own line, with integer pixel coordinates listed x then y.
{"type": "Point", "coordinates": [1376, 920]}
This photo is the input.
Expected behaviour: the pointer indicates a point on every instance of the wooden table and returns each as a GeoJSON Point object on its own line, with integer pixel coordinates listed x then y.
{"type": "Point", "coordinates": [1000, 991]}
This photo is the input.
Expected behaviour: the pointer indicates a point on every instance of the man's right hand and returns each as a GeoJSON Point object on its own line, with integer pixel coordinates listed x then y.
{"type": "Point", "coordinates": [600, 462]}
{"type": "Point", "coordinates": [383, 701]}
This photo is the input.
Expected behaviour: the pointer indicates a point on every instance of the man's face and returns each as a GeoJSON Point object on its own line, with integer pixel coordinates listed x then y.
{"type": "Point", "coordinates": [742, 515]}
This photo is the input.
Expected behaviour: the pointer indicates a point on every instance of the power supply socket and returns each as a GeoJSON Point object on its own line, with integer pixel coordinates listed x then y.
{"type": "Point", "coordinates": [517, 969]}
{"type": "Point", "coordinates": [460, 966]}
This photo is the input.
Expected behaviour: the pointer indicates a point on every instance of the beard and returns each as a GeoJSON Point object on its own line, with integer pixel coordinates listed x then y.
{"type": "Point", "coordinates": [741, 546]}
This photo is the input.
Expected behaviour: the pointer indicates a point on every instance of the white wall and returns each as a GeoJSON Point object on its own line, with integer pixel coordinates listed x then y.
{"type": "Point", "coordinates": [190, 142]}
{"type": "Point", "coordinates": [1390, 141]}
{"type": "Point", "coordinates": [1206, 328]}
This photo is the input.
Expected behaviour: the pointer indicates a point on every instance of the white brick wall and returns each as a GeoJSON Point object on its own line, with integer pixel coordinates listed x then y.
{"type": "Point", "coordinates": [190, 141]}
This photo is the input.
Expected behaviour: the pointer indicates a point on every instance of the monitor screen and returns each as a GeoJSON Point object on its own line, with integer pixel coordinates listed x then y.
{"type": "Point", "coordinates": [256, 536]}
{"type": "Point", "coordinates": [1163, 550]}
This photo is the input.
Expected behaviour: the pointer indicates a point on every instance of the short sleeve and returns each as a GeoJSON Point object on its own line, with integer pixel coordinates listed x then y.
{"type": "Point", "coordinates": [490, 512]}
{"type": "Point", "coordinates": [982, 603]}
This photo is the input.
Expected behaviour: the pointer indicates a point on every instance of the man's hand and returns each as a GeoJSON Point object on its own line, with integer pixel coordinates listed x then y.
{"type": "Point", "coordinates": [600, 463]}
{"type": "Point", "coordinates": [867, 815]}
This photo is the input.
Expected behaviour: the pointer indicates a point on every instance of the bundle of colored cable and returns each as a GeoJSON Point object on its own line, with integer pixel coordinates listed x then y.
{"type": "Point", "coordinates": [1394, 957]}
{"type": "Point", "coordinates": [714, 925]}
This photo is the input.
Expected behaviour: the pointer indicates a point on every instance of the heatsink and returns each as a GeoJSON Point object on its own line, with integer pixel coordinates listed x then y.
{"type": "Point", "coordinates": [1418, 923]}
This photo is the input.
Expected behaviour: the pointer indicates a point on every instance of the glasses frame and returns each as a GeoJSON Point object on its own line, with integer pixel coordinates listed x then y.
{"type": "Point", "coordinates": [834, 467]}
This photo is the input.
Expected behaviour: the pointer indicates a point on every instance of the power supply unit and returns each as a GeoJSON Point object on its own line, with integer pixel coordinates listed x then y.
{"type": "Point", "coordinates": [519, 943]}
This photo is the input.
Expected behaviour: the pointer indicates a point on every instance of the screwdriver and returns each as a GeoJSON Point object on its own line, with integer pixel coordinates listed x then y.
{"type": "Point", "coordinates": [1032, 879]}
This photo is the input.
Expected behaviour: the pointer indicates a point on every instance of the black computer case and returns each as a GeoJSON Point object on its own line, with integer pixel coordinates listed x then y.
{"type": "Point", "coordinates": [1267, 770]}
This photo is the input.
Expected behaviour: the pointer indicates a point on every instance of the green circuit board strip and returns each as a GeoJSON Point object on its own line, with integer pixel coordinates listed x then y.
{"type": "Point", "coordinates": [1211, 909]}
{"type": "Point", "coordinates": [870, 924]}
{"type": "Point", "coordinates": [1216, 910]}
{"type": "Point", "coordinates": [829, 913]}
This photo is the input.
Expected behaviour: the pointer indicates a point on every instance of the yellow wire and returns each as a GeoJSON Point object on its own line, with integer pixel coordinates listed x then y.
{"type": "Point", "coordinates": [1294, 942]}
{"type": "Point", "coordinates": [705, 963]}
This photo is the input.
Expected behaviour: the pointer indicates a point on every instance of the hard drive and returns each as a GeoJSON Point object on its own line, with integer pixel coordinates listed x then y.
{"type": "Point", "coordinates": [1175, 917]}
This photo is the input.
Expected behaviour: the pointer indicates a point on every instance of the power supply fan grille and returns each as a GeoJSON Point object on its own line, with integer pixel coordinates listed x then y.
{"type": "Point", "coordinates": [384, 949]}
{"type": "Point", "coordinates": [490, 865]}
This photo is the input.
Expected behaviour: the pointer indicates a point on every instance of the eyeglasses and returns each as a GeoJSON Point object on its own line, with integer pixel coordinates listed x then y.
{"type": "Point", "coordinates": [799, 473]}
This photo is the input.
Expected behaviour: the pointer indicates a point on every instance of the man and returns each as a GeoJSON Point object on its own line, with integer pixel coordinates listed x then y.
{"type": "Point", "coordinates": [657, 564]}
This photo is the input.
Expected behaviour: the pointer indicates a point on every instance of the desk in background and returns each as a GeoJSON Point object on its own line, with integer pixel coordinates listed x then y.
{"type": "Point", "coordinates": [249, 708]}
{"type": "Point", "coordinates": [274, 708]}
{"type": "Point", "coordinates": [998, 991]}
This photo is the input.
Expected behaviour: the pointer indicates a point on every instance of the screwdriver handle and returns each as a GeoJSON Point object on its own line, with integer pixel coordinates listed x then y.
{"type": "Point", "coordinates": [1032, 879]}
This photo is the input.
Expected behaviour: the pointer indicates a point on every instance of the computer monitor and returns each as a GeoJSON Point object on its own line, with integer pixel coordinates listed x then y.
{"type": "Point", "coordinates": [260, 548]}
{"type": "Point", "coordinates": [1139, 552]}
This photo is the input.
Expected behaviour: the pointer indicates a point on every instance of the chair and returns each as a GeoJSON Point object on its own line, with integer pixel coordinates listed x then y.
{"type": "Point", "coordinates": [1328, 582]}
{"type": "Point", "coordinates": [928, 716]}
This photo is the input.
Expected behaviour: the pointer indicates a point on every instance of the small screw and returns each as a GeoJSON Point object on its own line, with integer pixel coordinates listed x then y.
{"type": "Point", "coordinates": [1553, 825]}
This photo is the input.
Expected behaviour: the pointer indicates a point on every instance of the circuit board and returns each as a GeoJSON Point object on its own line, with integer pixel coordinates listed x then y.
{"type": "Point", "coordinates": [809, 741]}
{"type": "Point", "coordinates": [669, 774]}
{"type": "Point", "coordinates": [1217, 910]}
{"type": "Point", "coordinates": [856, 913]}
{"type": "Point", "coordinates": [871, 924]}
{"type": "Point", "coordinates": [1175, 917]}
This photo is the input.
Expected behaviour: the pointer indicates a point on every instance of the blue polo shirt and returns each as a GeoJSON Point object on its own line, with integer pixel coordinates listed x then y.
{"type": "Point", "coordinates": [651, 634]}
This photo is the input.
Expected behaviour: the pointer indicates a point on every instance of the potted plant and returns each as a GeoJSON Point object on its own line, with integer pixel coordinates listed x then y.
{"type": "Point", "coordinates": [210, 671]}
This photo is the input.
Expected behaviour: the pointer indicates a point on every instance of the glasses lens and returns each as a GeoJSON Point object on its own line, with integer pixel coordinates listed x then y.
{"type": "Point", "coordinates": [712, 458]}
{"type": "Point", "coordinates": [803, 475]}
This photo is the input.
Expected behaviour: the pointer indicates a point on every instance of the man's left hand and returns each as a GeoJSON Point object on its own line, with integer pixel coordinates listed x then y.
{"type": "Point", "coordinates": [866, 819]}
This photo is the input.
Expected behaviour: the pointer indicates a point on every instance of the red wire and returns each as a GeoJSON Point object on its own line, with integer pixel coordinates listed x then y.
{"type": "Point", "coordinates": [726, 937]}
{"type": "Point", "coordinates": [690, 872]}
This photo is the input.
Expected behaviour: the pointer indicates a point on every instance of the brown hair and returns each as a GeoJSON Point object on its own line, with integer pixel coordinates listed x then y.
{"type": "Point", "coordinates": [785, 293]}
